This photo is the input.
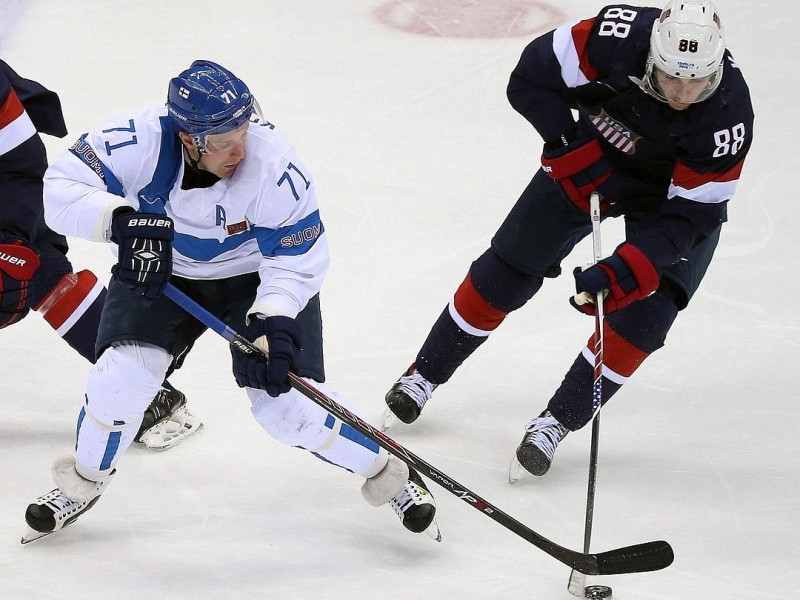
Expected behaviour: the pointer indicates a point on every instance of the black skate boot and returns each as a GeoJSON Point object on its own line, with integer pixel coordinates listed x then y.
{"type": "Point", "coordinates": [407, 397]}
{"type": "Point", "coordinates": [542, 435]}
{"type": "Point", "coordinates": [167, 421]}
{"type": "Point", "coordinates": [415, 506]}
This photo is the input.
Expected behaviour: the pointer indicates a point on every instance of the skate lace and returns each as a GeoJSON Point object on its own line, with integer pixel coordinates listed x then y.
{"type": "Point", "coordinates": [164, 404]}
{"type": "Point", "coordinates": [407, 497]}
{"type": "Point", "coordinates": [57, 500]}
{"type": "Point", "coordinates": [545, 433]}
{"type": "Point", "coordinates": [416, 387]}
{"type": "Point", "coordinates": [61, 505]}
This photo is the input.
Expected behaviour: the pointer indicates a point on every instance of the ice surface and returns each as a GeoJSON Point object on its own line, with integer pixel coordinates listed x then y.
{"type": "Point", "coordinates": [417, 157]}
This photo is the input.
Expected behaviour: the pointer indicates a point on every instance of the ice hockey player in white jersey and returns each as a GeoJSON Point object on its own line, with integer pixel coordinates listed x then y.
{"type": "Point", "coordinates": [206, 194]}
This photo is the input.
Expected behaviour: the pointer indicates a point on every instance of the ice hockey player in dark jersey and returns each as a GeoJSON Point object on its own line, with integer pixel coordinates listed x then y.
{"type": "Point", "coordinates": [35, 272]}
{"type": "Point", "coordinates": [664, 124]}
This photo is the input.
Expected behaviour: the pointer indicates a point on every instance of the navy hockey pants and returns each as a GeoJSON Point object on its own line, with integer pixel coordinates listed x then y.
{"type": "Point", "coordinates": [164, 324]}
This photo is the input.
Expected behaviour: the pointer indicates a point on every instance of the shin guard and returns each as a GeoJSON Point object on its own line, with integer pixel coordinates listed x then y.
{"type": "Point", "coordinates": [631, 335]}
{"type": "Point", "coordinates": [490, 291]}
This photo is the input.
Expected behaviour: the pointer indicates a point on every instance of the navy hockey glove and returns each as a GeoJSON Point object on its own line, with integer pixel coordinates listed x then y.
{"type": "Point", "coordinates": [627, 275]}
{"type": "Point", "coordinates": [18, 262]}
{"type": "Point", "coordinates": [282, 337]}
{"type": "Point", "coordinates": [144, 260]}
{"type": "Point", "coordinates": [579, 166]}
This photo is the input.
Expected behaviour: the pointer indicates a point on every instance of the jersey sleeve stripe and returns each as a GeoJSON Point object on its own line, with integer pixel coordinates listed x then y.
{"type": "Point", "coordinates": [569, 47]}
{"type": "Point", "coordinates": [709, 193]}
{"type": "Point", "coordinates": [11, 109]}
{"type": "Point", "coordinates": [705, 187]}
{"type": "Point", "coordinates": [15, 124]}
{"type": "Point", "coordinates": [686, 177]}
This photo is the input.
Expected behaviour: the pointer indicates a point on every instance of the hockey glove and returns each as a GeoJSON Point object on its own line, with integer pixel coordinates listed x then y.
{"type": "Point", "coordinates": [280, 338]}
{"type": "Point", "coordinates": [578, 165]}
{"type": "Point", "coordinates": [18, 262]}
{"type": "Point", "coordinates": [625, 276]}
{"type": "Point", "coordinates": [144, 260]}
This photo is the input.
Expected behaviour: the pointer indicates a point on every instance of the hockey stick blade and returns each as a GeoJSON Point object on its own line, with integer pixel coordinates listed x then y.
{"type": "Point", "coordinates": [649, 556]}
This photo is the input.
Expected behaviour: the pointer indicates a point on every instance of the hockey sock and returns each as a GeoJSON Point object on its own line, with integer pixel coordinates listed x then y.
{"type": "Point", "coordinates": [630, 336]}
{"type": "Point", "coordinates": [490, 291]}
{"type": "Point", "coordinates": [73, 309]}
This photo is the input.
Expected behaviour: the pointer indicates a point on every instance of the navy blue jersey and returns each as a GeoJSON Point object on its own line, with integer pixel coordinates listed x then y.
{"type": "Point", "coordinates": [26, 108]}
{"type": "Point", "coordinates": [675, 168]}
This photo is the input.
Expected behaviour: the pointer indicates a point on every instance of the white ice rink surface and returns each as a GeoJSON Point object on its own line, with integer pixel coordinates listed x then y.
{"type": "Point", "coordinates": [417, 158]}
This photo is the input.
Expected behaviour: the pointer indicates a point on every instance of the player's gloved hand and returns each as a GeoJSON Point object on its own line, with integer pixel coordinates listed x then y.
{"type": "Point", "coordinates": [627, 275]}
{"type": "Point", "coordinates": [18, 262]}
{"type": "Point", "coordinates": [578, 165]}
{"type": "Point", "coordinates": [280, 338]}
{"type": "Point", "coordinates": [144, 260]}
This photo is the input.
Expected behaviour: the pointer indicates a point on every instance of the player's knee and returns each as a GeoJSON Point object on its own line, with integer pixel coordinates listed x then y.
{"type": "Point", "coordinates": [501, 285]}
{"type": "Point", "coordinates": [123, 382]}
{"type": "Point", "coordinates": [645, 324]}
{"type": "Point", "coordinates": [290, 418]}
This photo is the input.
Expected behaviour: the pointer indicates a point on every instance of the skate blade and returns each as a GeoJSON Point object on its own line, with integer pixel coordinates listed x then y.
{"type": "Point", "coordinates": [388, 420]}
{"type": "Point", "coordinates": [433, 531]}
{"type": "Point", "coordinates": [168, 434]}
{"type": "Point", "coordinates": [31, 535]}
{"type": "Point", "coordinates": [515, 471]}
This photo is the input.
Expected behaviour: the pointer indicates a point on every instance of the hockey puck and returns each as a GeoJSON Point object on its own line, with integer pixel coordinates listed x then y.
{"type": "Point", "coordinates": [597, 591]}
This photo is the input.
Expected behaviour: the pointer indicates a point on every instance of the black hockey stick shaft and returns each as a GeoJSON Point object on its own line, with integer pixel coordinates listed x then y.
{"type": "Point", "coordinates": [649, 556]}
{"type": "Point", "coordinates": [577, 581]}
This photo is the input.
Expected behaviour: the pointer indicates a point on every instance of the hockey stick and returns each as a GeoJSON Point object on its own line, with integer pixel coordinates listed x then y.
{"type": "Point", "coordinates": [577, 580]}
{"type": "Point", "coordinates": [650, 556]}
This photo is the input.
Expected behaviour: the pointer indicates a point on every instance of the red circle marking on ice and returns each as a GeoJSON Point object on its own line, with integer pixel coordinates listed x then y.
{"type": "Point", "coordinates": [470, 18]}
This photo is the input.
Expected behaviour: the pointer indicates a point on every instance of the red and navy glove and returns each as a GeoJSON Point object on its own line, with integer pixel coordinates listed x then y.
{"type": "Point", "coordinates": [578, 165]}
{"type": "Point", "coordinates": [144, 260]}
{"type": "Point", "coordinates": [627, 275]}
{"type": "Point", "coordinates": [280, 338]}
{"type": "Point", "coordinates": [18, 262]}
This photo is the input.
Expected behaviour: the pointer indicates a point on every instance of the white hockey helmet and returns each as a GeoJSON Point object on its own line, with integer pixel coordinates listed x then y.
{"type": "Point", "coordinates": [687, 41]}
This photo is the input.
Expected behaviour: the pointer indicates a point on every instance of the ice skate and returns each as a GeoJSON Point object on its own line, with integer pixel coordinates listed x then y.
{"type": "Point", "coordinates": [535, 452]}
{"type": "Point", "coordinates": [167, 421]}
{"type": "Point", "coordinates": [415, 506]}
{"type": "Point", "coordinates": [406, 398]}
{"type": "Point", "coordinates": [55, 510]}
{"type": "Point", "coordinates": [413, 503]}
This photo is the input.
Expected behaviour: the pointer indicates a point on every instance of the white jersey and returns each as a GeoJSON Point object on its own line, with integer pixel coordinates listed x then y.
{"type": "Point", "coordinates": [263, 218]}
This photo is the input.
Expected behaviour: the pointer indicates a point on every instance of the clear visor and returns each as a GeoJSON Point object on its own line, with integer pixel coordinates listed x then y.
{"type": "Point", "coordinates": [685, 90]}
{"type": "Point", "coordinates": [221, 137]}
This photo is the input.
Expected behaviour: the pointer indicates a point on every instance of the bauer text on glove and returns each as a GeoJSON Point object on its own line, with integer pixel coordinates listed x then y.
{"type": "Point", "coordinates": [145, 251]}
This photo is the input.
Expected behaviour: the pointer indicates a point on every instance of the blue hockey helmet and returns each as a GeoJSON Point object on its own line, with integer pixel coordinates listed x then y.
{"type": "Point", "coordinates": [207, 99]}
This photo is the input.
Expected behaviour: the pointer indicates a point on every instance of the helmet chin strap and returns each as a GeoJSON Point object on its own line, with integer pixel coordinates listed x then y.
{"type": "Point", "coordinates": [649, 84]}
{"type": "Point", "coordinates": [646, 82]}
{"type": "Point", "coordinates": [195, 164]}
{"type": "Point", "coordinates": [195, 176]}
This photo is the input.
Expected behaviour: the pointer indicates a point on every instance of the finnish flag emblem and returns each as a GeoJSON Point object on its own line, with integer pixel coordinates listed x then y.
{"type": "Point", "coordinates": [184, 93]}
